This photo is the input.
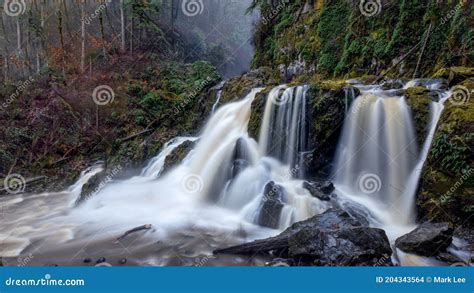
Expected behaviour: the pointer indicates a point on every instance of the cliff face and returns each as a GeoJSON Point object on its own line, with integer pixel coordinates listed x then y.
{"type": "Point", "coordinates": [344, 38]}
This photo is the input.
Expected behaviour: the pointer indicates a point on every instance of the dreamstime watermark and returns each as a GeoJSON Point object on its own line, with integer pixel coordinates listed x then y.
{"type": "Point", "coordinates": [20, 88]}
{"type": "Point", "coordinates": [460, 95]}
{"type": "Point", "coordinates": [360, 103]}
{"type": "Point", "coordinates": [451, 13]}
{"type": "Point", "coordinates": [274, 12]}
{"type": "Point", "coordinates": [103, 95]}
{"type": "Point", "coordinates": [192, 7]}
{"type": "Point", "coordinates": [108, 178]}
{"type": "Point", "coordinates": [369, 183]}
{"type": "Point", "coordinates": [465, 176]}
{"type": "Point", "coordinates": [201, 261]}
{"type": "Point", "coordinates": [270, 195]}
{"type": "Point", "coordinates": [44, 281]}
{"type": "Point", "coordinates": [280, 98]}
{"type": "Point", "coordinates": [101, 8]}
{"type": "Point", "coordinates": [14, 7]}
{"type": "Point", "coordinates": [192, 184]}
{"type": "Point", "coordinates": [14, 184]}
{"type": "Point", "coordinates": [370, 8]}
{"type": "Point", "coordinates": [182, 105]}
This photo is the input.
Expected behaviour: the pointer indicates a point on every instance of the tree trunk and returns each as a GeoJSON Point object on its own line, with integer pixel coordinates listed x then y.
{"type": "Point", "coordinates": [122, 25]}
{"type": "Point", "coordinates": [83, 38]}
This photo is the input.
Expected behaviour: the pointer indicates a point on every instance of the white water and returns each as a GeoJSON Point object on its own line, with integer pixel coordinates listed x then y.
{"type": "Point", "coordinates": [157, 164]}
{"type": "Point", "coordinates": [216, 193]}
{"type": "Point", "coordinates": [378, 163]}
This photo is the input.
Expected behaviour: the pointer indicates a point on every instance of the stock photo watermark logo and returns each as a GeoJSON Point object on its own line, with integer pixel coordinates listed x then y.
{"type": "Point", "coordinates": [362, 103]}
{"type": "Point", "coordinates": [369, 183]}
{"type": "Point", "coordinates": [103, 95]}
{"type": "Point", "coordinates": [465, 176]}
{"type": "Point", "coordinates": [192, 184]}
{"type": "Point", "coordinates": [20, 88]}
{"type": "Point", "coordinates": [182, 105]}
{"type": "Point", "coordinates": [370, 8]}
{"type": "Point", "coordinates": [274, 12]}
{"type": "Point", "coordinates": [460, 95]}
{"type": "Point", "coordinates": [101, 8]}
{"type": "Point", "coordinates": [14, 184]}
{"type": "Point", "coordinates": [192, 7]}
{"type": "Point", "coordinates": [14, 7]}
{"type": "Point", "coordinates": [451, 13]}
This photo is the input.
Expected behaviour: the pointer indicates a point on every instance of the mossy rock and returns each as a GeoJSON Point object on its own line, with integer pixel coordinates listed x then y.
{"type": "Point", "coordinates": [178, 155]}
{"type": "Point", "coordinates": [327, 100]}
{"type": "Point", "coordinates": [455, 75]}
{"type": "Point", "coordinates": [238, 87]}
{"type": "Point", "coordinates": [258, 109]}
{"type": "Point", "coordinates": [419, 99]}
{"type": "Point", "coordinates": [446, 190]}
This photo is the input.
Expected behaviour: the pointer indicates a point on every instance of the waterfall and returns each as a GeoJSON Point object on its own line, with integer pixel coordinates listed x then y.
{"type": "Point", "coordinates": [157, 164]}
{"type": "Point", "coordinates": [232, 188]}
{"type": "Point", "coordinates": [284, 131]}
{"type": "Point", "coordinates": [219, 88]}
{"type": "Point", "coordinates": [378, 163]}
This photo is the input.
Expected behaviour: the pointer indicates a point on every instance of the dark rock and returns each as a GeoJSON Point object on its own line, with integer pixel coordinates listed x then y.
{"type": "Point", "coordinates": [87, 260]}
{"type": "Point", "coordinates": [450, 259]}
{"type": "Point", "coordinates": [241, 157]}
{"type": "Point", "coordinates": [271, 205]}
{"type": "Point", "coordinates": [343, 247]}
{"type": "Point", "coordinates": [428, 239]}
{"type": "Point", "coordinates": [123, 261]}
{"type": "Point", "coordinates": [315, 191]}
{"type": "Point", "coordinates": [101, 260]}
{"type": "Point", "coordinates": [327, 187]}
{"type": "Point", "coordinates": [177, 156]}
{"type": "Point", "coordinates": [332, 238]}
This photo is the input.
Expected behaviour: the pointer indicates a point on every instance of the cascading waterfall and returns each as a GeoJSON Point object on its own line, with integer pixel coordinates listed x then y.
{"type": "Point", "coordinates": [378, 164]}
{"type": "Point", "coordinates": [284, 132]}
{"type": "Point", "coordinates": [229, 182]}
{"type": "Point", "coordinates": [157, 164]}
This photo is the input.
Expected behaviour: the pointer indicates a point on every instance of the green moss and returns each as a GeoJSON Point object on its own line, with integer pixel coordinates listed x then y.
{"type": "Point", "coordinates": [419, 100]}
{"type": "Point", "coordinates": [446, 189]}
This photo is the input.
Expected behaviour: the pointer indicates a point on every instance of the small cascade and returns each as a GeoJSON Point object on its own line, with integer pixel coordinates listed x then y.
{"type": "Point", "coordinates": [284, 131]}
{"type": "Point", "coordinates": [378, 164]}
{"type": "Point", "coordinates": [219, 88]}
{"type": "Point", "coordinates": [156, 166]}
{"type": "Point", "coordinates": [377, 153]}
{"type": "Point", "coordinates": [349, 97]}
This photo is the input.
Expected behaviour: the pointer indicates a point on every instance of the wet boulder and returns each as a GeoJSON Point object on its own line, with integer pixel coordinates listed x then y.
{"type": "Point", "coordinates": [272, 205]}
{"type": "Point", "coordinates": [333, 238]}
{"type": "Point", "coordinates": [316, 191]}
{"type": "Point", "coordinates": [428, 239]}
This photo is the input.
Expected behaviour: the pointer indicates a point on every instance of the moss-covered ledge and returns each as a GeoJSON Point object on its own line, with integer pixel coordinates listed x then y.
{"type": "Point", "coordinates": [446, 190]}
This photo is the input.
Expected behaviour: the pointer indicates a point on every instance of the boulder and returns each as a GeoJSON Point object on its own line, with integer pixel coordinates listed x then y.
{"type": "Point", "coordinates": [316, 191]}
{"type": "Point", "coordinates": [455, 75]}
{"type": "Point", "coordinates": [271, 205]}
{"type": "Point", "coordinates": [333, 238]}
{"type": "Point", "coordinates": [428, 239]}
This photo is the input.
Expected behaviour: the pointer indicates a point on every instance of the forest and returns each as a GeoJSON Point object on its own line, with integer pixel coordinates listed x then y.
{"type": "Point", "coordinates": [236, 133]}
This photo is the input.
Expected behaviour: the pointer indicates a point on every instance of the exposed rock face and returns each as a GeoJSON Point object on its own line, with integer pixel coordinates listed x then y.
{"type": "Point", "coordinates": [333, 238]}
{"type": "Point", "coordinates": [446, 186]}
{"type": "Point", "coordinates": [328, 105]}
{"type": "Point", "coordinates": [316, 191]}
{"type": "Point", "coordinates": [271, 206]}
{"type": "Point", "coordinates": [428, 239]}
{"type": "Point", "coordinates": [178, 155]}
{"type": "Point", "coordinates": [241, 157]}
{"type": "Point", "coordinates": [455, 75]}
